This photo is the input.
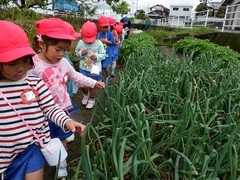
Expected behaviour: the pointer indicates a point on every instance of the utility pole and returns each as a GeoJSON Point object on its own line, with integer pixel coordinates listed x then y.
{"type": "Point", "coordinates": [137, 5]}
{"type": "Point", "coordinates": [137, 9]}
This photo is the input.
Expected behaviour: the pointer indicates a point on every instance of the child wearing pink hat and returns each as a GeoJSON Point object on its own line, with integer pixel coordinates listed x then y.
{"type": "Point", "coordinates": [113, 63]}
{"type": "Point", "coordinates": [25, 104]}
{"type": "Point", "coordinates": [53, 40]}
{"type": "Point", "coordinates": [106, 36]}
{"type": "Point", "coordinates": [91, 52]}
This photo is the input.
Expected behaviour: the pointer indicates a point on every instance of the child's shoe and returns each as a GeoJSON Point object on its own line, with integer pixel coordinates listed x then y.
{"type": "Point", "coordinates": [90, 104]}
{"type": "Point", "coordinates": [85, 99]}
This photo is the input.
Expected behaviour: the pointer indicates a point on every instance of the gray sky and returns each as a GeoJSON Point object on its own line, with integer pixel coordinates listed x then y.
{"type": "Point", "coordinates": [145, 4]}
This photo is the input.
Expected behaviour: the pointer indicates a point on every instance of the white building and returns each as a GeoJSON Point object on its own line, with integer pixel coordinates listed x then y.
{"type": "Point", "coordinates": [179, 14]}
{"type": "Point", "coordinates": [232, 15]}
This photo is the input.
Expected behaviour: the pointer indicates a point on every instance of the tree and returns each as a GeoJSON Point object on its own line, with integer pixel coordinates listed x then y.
{"type": "Point", "coordinates": [25, 3]}
{"type": "Point", "coordinates": [140, 14]}
{"type": "Point", "coordinates": [221, 11]}
{"type": "Point", "coordinates": [118, 6]}
{"type": "Point", "coordinates": [201, 8]}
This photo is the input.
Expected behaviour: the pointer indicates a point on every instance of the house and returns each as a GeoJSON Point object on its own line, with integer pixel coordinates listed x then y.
{"type": "Point", "coordinates": [181, 10]}
{"type": "Point", "coordinates": [230, 2]}
{"type": "Point", "coordinates": [232, 20]}
{"type": "Point", "coordinates": [179, 14]}
{"type": "Point", "coordinates": [158, 11]}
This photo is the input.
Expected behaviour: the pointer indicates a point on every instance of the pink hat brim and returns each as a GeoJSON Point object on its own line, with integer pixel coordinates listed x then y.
{"type": "Point", "coordinates": [104, 24]}
{"type": "Point", "coordinates": [16, 53]}
{"type": "Point", "coordinates": [76, 35]}
{"type": "Point", "coordinates": [89, 40]}
{"type": "Point", "coordinates": [61, 36]}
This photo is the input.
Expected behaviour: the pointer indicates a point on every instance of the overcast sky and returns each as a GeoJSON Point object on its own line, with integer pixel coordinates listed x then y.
{"type": "Point", "coordinates": [145, 4]}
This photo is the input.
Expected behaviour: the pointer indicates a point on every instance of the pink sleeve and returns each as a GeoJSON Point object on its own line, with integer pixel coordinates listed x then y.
{"type": "Point", "coordinates": [78, 78]}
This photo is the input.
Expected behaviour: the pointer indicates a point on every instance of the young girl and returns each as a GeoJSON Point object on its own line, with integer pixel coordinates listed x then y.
{"type": "Point", "coordinates": [53, 39]}
{"type": "Point", "coordinates": [24, 101]}
{"type": "Point", "coordinates": [106, 36]}
{"type": "Point", "coordinates": [91, 52]}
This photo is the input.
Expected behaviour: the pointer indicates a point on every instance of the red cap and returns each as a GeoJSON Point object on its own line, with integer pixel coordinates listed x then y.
{"type": "Point", "coordinates": [89, 32]}
{"type": "Point", "coordinates": [14, 42]}
{"type": "Point", "coordinates": [119, 29]}
{"type": "Point", "coordinates": [72, 32]}
{"type": "Point", "coordinates": [103, 21]}
{"type": "Point", "coordinates": [111, 21]}
{"type": "Point", "coordinates": [120, 24]}
{"type": "Point", "coordinates": [54, 28]}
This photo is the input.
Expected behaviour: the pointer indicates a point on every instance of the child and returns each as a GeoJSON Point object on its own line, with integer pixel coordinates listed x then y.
{"type": "Point", "coordinates": [24, 100]}
{"type": "Point", "coordinates": [115, 47]}
{"type": "Point", "coordinates": [53, 40]}
{"type": "Point", "coordinates": [91, 52]}
{"type": "Point", "coordinates": [121, 33]}
{"type": "Point", "coordinates": [106, 36]}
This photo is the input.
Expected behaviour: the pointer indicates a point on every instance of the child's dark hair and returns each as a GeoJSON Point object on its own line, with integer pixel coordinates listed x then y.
{"type": "Point", "coordinates": [29, 57]}
{"type": "Point", "coordinates": [111, 27]}
{"type": "Point", "coordinates": [48, 41]}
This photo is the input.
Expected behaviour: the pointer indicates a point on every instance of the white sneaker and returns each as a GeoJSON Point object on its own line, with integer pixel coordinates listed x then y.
{"type": "Point", "coordinates": [70, 138]}
{"type": "Point", "coordinates": [90, 104]}
{"type": "Point", "coordinates": [85, 99]}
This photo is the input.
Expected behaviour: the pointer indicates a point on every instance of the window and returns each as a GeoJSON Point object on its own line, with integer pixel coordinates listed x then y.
{"type": "Point", "coordinates": [175, 9]}
{"type": "Point", "coordinates": [185, 9]}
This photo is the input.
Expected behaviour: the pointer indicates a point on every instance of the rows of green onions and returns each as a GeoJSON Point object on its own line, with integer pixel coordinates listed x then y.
{"type": "Point", "coordinates": [166, 118]}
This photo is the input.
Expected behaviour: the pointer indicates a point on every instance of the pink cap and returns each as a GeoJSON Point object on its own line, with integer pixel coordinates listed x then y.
{"type": "Point", "coordinates": [72, 32]}
{"type": "Point", "coordinates": [119, 29]}
{"type": "Point", "coordinates": [89, 32]}
{"type": "Point", "coordinates": [14, 42]}
{"type": "Point", "coordinates": [54, 28]}
{"type": "Point", "coordinates": [103, 21]}
{"type": "Point", "coordinates": [111, 21]}
{"type": "Point", "coordinates": [120, 24]}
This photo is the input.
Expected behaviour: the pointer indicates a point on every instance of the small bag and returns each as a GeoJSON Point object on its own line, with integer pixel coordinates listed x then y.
{"type": "Point", "coordinates": [95, 70]}
{"type": "Point", "coordinates": [54, 152]}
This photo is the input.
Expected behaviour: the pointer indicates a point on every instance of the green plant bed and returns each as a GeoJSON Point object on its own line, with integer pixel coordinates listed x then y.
{"type": "Point", "coordinates": [166, 119]}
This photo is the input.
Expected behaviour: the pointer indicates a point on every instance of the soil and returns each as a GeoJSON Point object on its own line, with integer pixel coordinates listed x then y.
{"type": "Point", "coordinates": [84, 116]}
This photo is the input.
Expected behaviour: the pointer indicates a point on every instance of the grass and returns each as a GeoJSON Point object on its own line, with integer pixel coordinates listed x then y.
{"type": "Point", "coordinates": [160, 34]}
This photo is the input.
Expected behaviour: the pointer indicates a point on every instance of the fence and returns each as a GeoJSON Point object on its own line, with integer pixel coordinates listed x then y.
{"type": "Point", "coordinates": [231, 21]}
{"type": "Point", "coordinates": [232, 18]}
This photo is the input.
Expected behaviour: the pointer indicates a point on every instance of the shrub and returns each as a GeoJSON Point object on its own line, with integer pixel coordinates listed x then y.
{"type": "Point", "coordinates": [199, 48]}
{"type": "Point", "coordinates": [135, 42]}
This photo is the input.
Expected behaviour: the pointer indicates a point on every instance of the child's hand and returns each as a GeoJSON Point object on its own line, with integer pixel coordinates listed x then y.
{"type": "Point", "coordinates": [84, 52]}
{"type": "Point", "coordinates": [93, 57]}
{"type": "Point", "coordinates": [104, 40]}
{"type": "Point", "coordinates": [75, 126]}
{"type": "Point", "coordinates": [100, 84]}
